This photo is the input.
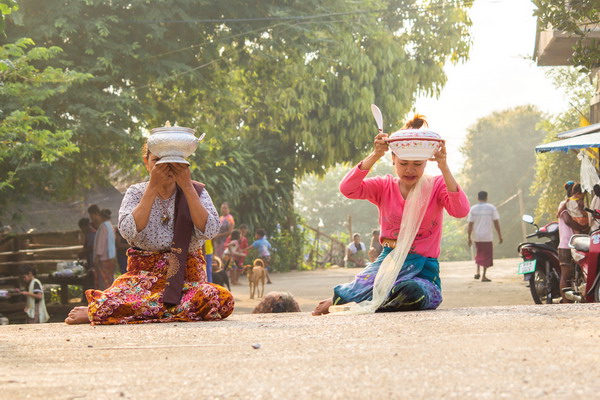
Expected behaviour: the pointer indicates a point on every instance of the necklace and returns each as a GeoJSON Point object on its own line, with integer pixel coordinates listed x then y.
{"type": "Point", "coordinates": [165, 205]}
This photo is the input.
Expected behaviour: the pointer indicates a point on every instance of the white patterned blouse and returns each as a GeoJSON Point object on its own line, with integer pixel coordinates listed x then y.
{"type": "Point", "coordinates": [158, 234]}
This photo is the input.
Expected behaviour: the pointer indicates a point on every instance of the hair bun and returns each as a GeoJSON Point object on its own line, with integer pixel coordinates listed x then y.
{"type": "Point", "coordinates": [417, 121]}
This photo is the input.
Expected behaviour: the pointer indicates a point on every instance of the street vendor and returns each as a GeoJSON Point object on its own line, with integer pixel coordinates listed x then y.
{"type": "Point", "coordinates": [166, 221]}
{"type": "Point", "coordinates": [405, 276]}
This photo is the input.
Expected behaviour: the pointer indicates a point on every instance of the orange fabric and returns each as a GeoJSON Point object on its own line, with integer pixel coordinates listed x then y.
{"type": "Point", "coordinates": [104, 273]}
{"type": "Point", "coordinates": [136, 296]}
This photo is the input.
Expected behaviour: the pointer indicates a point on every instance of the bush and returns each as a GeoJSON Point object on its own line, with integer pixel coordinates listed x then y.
{"type": "Point", "coordinates": [287, 252]}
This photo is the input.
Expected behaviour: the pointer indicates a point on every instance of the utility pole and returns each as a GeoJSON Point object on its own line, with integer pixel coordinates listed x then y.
{"type": "Point", "coordinates": [522, 211]}
{"type": "Point", "coordinates": [350, 226]}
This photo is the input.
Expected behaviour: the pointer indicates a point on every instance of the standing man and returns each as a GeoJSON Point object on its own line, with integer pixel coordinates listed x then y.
{"type": "Point", "coordinates": [481, 218]}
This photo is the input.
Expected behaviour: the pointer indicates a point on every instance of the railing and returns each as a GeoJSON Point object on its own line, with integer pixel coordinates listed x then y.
{"type": "Point", "coordinates": [326, 249]}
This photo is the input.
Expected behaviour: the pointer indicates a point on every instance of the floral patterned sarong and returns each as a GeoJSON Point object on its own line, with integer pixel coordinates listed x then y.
{"type": "Point", "coordinates": [136, 296]}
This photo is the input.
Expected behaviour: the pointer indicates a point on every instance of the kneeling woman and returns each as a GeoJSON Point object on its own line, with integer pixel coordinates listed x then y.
{"type": "Point", "coordinates": [166, 221]}
{"type": "Point", "coordinates": [405, 276]}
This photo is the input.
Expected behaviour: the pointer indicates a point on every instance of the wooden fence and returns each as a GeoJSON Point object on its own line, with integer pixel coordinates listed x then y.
{"type": "Point", "coordinates": [43, 251]}
{"type": "Point", "coordinates": [325, 249]}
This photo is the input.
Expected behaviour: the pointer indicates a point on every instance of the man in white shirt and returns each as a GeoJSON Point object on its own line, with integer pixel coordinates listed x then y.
{"type": "Point", "coordinates": [481, 218]}
{"type": "Point", "coordinates": [356, 253]}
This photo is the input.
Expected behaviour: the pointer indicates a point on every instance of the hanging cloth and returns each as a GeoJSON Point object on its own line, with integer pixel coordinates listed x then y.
{"type": "Point", "coordinates": [182, 236]}
{"type": "Point", "coordinates": [588, 174]}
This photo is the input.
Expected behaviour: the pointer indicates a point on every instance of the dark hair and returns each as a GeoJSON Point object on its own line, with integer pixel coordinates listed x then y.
{"type": "Point", "coordinates": [482, 195]}
{"type": "Point", "coordinates": [375, 232]}
{"type": "Point", "coordinates": [569, 187]}
{"type": "Point", "coordinates": [93, 209]}
{"type": "Point", "coordinates": [576, 189]}
{"type": "Point", "coordinates": [355, 235]}
{"type": "Point", "coordinates": [84, 223]}
{"type": "Point", "coordinates": [235, 234]}
{"type": "Point", "coordinates": [106, 213]}
{"type": "Point", "coordinates": [26, 269]}
{"type": "Point", "coordinates": [261, 232]}
{"type": "Point", "coordinates": [417, 121]}
{"type": "Point", "coordinates": [243, 226]}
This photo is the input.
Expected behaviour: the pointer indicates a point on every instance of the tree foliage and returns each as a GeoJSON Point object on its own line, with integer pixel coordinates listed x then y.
{"type": "Point", "coordinates": [281, 88]}
{"type": "Point", "coordinates": [552, 170]}
{"type": "Point", "coordinates": [29, 140]}
{"type": "Point", "coordinates": [319, 198]}
{"type": "Point", "coordinates": [499, 155]}
{"type": "Point", "coordinates": [579, 18]}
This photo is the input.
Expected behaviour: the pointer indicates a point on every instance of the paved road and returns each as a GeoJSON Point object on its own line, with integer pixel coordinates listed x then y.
{"type": "Point", "coordinates": [512, 352]}
{"type": "Point", "coordinates": [486, 351]}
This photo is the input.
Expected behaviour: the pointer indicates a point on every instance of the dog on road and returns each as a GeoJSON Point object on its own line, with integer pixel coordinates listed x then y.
{"type": "Point", "coordinates": [256, 274]}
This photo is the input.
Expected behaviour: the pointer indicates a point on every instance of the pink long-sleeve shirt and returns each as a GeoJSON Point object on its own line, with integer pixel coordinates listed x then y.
{"type": "Point", "coordinates": [384, 192]}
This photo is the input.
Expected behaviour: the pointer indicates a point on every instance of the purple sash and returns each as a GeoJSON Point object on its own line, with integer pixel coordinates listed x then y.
{"type": "Point", "coordinates": [182, 236]}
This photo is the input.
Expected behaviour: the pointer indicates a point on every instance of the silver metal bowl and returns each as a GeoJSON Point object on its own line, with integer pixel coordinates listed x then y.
{"type": "Point", "coordinates": [173, 144]}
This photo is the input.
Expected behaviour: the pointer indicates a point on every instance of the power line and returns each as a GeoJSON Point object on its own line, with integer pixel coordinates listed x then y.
{"type": "Point", "coordinates": [300, 20]}
{"type": "Point", "coordinates": [464, 3]}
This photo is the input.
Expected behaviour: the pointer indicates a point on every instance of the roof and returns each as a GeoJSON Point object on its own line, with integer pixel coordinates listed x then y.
{"type": "Point", "coordinates": [580, 138]}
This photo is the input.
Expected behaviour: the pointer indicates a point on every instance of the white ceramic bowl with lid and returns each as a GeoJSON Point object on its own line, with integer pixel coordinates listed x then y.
{"type": "Point", "coordinates": [414, 144]}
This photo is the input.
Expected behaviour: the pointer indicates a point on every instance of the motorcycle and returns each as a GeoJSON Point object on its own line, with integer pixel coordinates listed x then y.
{"type": "Point", "coordinates": [540, 264]}
{"type": "Point", "coordinates": [585, 250]}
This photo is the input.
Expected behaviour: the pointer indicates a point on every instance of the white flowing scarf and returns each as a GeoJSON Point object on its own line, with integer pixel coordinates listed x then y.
{"type": "Point", "coordinates": [412, 217]}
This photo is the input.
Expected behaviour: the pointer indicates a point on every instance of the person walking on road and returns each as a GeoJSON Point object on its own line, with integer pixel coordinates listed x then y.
{"type": "Point", "coordinates": [482, 217]}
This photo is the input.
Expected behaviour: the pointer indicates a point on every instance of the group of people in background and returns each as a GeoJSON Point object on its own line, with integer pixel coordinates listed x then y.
{"type": "Point", "coordinates": [104, 249]}
{"type": "Point", "coordinates": [357, 255]}
{"type": "Point", "coordinates": [231, 246]}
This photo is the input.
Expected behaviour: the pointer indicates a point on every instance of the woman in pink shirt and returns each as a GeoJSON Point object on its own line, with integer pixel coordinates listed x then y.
{"type": "Point", "coordinates": [417, 285]}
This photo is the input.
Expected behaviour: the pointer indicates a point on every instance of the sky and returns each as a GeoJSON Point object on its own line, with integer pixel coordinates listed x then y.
{"type": "Point", "coordinates": [500, 74]}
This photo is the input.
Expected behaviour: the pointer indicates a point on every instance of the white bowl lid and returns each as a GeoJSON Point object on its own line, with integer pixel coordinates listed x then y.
{"type": "Point", "coordinates": [414, 134]}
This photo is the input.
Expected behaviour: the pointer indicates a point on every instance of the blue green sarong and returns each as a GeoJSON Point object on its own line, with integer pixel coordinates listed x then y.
{"type": "Point", "coordinates": [418, 286]}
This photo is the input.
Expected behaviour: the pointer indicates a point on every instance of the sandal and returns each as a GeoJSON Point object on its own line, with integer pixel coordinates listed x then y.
{"type": "Point", "coordinates": [476, 276]}
{"type": "Point", "coordinates": [486, 280]}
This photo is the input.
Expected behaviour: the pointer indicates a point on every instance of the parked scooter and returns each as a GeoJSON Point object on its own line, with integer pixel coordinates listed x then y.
{"type": "Point", "coordinates": [585, 250]}
{"type": "Point", "coordinates": [540, 264]}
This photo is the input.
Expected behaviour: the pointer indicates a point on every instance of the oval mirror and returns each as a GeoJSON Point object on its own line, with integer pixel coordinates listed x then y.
{"type": "Point", "coordinates": [528, 219]}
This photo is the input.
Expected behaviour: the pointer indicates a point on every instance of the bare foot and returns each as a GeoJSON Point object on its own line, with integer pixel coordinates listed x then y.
{"type": "Point", "coordinates": [323, 307]}
{"type": "Point", "coordinates": [78, 315]}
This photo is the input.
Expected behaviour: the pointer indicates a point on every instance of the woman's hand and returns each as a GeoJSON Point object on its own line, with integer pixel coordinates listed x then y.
{"type": "Point", "coordinates": [440, 155]}
{"type": "Point", "coordinates": [380, 146]}
{"type": "Point", "coordinates": [159, 175]}
{"type": "Point", "coordinates": [182, 175]}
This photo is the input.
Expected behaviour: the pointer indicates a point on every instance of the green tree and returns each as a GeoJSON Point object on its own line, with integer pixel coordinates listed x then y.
{"type": "Point", "coordinates": [29, 140]}
{"type": "Point", "coordinates": [282, 88]}
{"type": "Point", "coordinates": [499, 155]}
{"type": "Point", "coordinates": [578, 18]}
{"type": "Point", "coordinates": [319, 198]}
{"type": "Point", "coordinates": [552, 170]}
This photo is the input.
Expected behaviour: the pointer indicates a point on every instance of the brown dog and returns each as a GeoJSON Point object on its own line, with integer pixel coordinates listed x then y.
{"type": "Point", "coordinates": [256, 274]}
